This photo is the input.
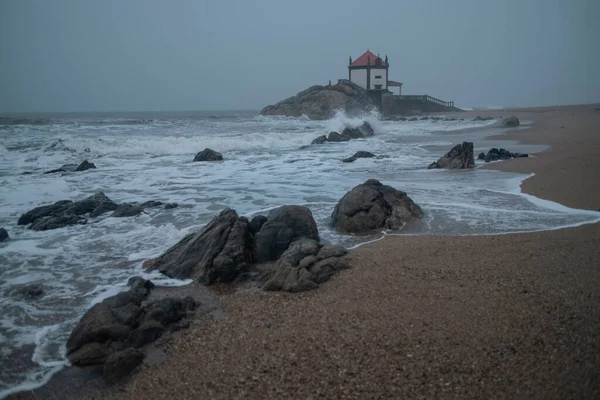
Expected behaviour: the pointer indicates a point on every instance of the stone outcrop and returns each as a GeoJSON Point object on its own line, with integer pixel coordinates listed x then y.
{"type": "Point", "coordinates": [372, 205]}
{"type": "Point", "coordinates": [359, 154]}
{"type": "Point", "coordinates": [510, 122]}
{"type": "Point", "coordinates": [321, 102]}
{"type": "Point", "coordinates": [283, 225]}
{"type": "Point", "coordinates": [479, 118]}
{"type": "Point", "coordinates": [111, 331]}
{"type": "Point", "coordinates": [219, 252]}
{"type": "Point", "coordinates": [304, 265]}
{"type": "Point", "coordinates": [3, 235]}
{"type": "Point", "coordinates": [459, 157]}
{"type": "Point", "coordinates": [85, 165]}
{"type": "Point", "coordinates": [500, 154]}
{"type": "Point", "coordinates": [29, 292]}
{"type": "Point", "coordinates": [208, 155]}
{"type": "Point", "coordinates": [349, 133]}
{"type": "Point", "coordinates": [66, 212]}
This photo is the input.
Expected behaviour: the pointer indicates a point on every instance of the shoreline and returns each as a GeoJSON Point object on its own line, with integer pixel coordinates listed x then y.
{"type": "Point", "coordinates": [369, 253]}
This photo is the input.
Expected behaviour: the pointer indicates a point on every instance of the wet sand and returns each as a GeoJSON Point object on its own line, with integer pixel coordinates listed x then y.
{"type": "Point", "coordinates": [507, 316]}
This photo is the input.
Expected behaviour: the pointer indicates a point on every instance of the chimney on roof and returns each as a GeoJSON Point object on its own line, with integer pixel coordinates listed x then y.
{"type": "Point", "coordinates": [349, 60]}
{"type": "Point", "coordinates": [368, 60]}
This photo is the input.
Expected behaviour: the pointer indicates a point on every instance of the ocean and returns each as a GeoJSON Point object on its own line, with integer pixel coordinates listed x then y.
{"type": "Point", "coordinates": [268, 162]}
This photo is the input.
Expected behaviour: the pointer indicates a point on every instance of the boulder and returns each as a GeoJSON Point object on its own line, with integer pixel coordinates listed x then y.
{"type": "Point", "coordinates": [218, 252]}
{"type": "Point", "coordinates": [170, 206]}
{"type": "Point", "coordinates": [359, 154]}
{"type": "Point", "coordinates": [459, 157]}
{"type": "Point", "coordinates": [283, 225]}
{"type": "Point", "coordinates": [29, 292]}
{"type": "Point", "coordinates": [478, 118]}
{"type": "Point", "coordinates": [501, 154]}
{"type": "Point", "coordinates": [492, 155]}
{"type": "Point", "coordinates": [55, 222]}
{"type": "Point", "coordinates": [481, 156]}
{"type": "Point", "coordinates": [43, 211]}
{"type": "Point", "coordinates": [372, 205]}
{"type": "Point", "coordinates": [510, 122]}
{"type": "Point", "coordinates": [3, 235]}
{"type": "Point", "coordinates": [302, 266]}
{"type": "Point", "coordinates": [64, 168]}
{"type": "Point", "coordinates": [208, 155]}
{"type": "Point", "coordinates": [122, 323]}
{"type": "Point", "coordinates": [151, 204]}
{"type": "Point", "coordinates": [336, 137]}
{"type": "Point", "coordinates": [320, 140]}
{"type": "Point", "coordinates": [256, 223]}
{"type": "Point", "coordinates": [504, 154]}
{"type": "Point", "coordinates": [119, 365]}
{"type": "Point", "coordinates": [85, 165]}
{"type": "Point", "coordinates": [127, 210]}
{"type": "Point", "coordinates": [65, 212]}
{"type": "Point", "coordinates": [322, 102]}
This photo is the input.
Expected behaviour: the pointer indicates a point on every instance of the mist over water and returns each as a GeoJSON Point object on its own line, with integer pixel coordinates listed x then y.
{"type": "Point", "coordinates": [268, 162]}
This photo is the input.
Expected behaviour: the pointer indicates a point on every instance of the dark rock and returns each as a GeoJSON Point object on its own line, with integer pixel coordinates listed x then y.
{"type": "Point", "coordinates": [283, 225]}
{"type": "Point", "coordinates": [413, 119]}
{"type": "Point", "coordinates": [146, 333]}
{"type": "Point", "coordinates": [321, 102]}
{"type": "Point", "coordinates": [97, 204]}
{"type": "Point", "coordinates": [51, 222]}
{"type": "Point", "coordinates": [64, 168]}
{"type": "Point", "coordinates": [331, 250]}
{"type": "Point", "coordinates": [372, 205]}
{"type": "Point", "coordinates": [151, 203]}
{"type": "Point", "coordinates": [53, 209]}
{"type": "Point", "coordinates": [336, 137]}
{"type": "Point", "coordinates": [481, 156]}
{"type": "Point", "coordinates": [424, 118]}
{"type": "Point", "coordinates": [520, 155]}
{"type": "Point", "coordinates": [169, 206]}
{"type": "Point", "coordinates": [504, 154]}
{"type": "Point", "coordinates": [459, 157]}
{"type": "Point", "coordinates": [218, 252]}
{"type": "Point", "coordinates": [127, 210]}
{"type": "Point", "coordinates": [434, 165]}
{"type": "Point", "coordinates": [359, 154]}
{"type": "Point", "coordinates": [256, 223]}
{"type": "Point", "coordinates": [139, 283]}
{"type": "Point", "coordinates": [3, 235]}
{"type": "Point", "coordinates": [323, 270]}
{"type": "Point", "coordinates": [510, 122]}
{"type": "Point", "coordinates": [287, 275]}
{"type": "Point", "coordinates": [320, 140]}
{"type": "Point", "coordinates": [492, 155]}
{"type": "Point", "coordinates": [120, 365]}
{"type": "Point", "coordinates": [108, 321]}
{"type": "Point", "coordinates": [478, 118]}
{"type": "Point", "coordinates": [29, 292]}
{"type": "Point", "coordinates": [208, 155]}
{"type": "Point", "coordinates": [85, 165]}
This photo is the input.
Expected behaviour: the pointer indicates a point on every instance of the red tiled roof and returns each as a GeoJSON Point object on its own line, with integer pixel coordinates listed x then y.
{"type": "Point", "coordinates": [362, 61]}
{"type": "Point", "coordinates": [394, 83]}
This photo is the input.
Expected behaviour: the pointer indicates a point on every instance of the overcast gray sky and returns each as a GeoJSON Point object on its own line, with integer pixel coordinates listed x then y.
{"type": "Point", "coordinates": [143, 55]}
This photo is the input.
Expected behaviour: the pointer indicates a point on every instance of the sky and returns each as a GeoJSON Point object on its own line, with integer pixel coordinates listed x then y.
{"type": "Point", "coordinates": [151, 55]}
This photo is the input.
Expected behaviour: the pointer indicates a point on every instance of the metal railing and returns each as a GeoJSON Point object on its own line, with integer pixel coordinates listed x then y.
{"type": "Point", "coordinates": [429, 99]}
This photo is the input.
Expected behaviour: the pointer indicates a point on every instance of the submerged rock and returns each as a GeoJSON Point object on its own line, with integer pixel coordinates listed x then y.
{"type": "Point", "coordinates": [208, 155]}
{"type": "Point", "coordinates": [55, 222]}
{"type": "Point", "coordinates": [359, 154]}
{"type": "Point", "coordinates": [362, 131]}
{"type": "Point", "coordinates": [29, 292]}
{"type": "Point", "coordinates": [3, 235]}
{"type": "Point", "coordinates": [127, 210]}
{"type": "Point", "coordinates": [372, 205]}
{"type": "Point", "coordinates": [501, 154]}
{"type": "Point", "coordinates": [85, 165]}
{"type": "Point", "coordinates": [320, 140]}
{"type": "Point", "coordinates": [459, 157]}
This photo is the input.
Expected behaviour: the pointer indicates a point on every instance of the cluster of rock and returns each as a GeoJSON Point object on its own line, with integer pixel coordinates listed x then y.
{"type": "Point", "coordinates": [3, 235]}
{"type": "Point", "coordinates": [321, 102]}
{"type": "Point", "coordinates": [459, 157]}
{"type": "Point", "coordinates": [480, 118]}
{"type": "Point", "coordinates": [362, 131]}
{"type": "Point", "coordinates": [85, 165]}
{"type": "Point", "coordinates": [66, 212]}
{"type": "Point", "coordinates": [113, 332]}
{"type": "Point", "coordinates": [510, 122]}
{"type": "Point", "coordinates": [499, 154]}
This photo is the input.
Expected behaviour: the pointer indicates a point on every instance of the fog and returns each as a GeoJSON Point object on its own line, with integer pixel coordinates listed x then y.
{"type": "Point", "coordinates": [150, 55]}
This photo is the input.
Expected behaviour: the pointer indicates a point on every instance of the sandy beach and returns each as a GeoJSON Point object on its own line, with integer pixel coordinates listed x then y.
{"type": "Point", "coordinates": [507, 316]}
